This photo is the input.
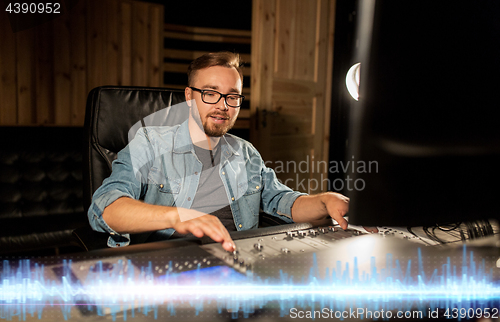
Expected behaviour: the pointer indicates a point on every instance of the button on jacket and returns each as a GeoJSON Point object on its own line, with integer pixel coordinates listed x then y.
{"type": "Point", "coordinates": [160, 167]}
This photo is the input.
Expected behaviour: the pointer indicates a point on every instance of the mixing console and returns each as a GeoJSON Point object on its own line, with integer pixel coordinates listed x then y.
{"type": "Point", "coordinates": [275, 269]}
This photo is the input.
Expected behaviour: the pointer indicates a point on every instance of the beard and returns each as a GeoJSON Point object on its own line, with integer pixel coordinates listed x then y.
{"type": "Point", "coordinates": [218, 130]}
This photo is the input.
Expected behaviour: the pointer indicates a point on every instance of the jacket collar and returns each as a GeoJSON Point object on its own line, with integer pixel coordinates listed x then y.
{"type": "Point", "coordinates": [227, 147]}
{"type": "Point", "coordinates": [182, 139]}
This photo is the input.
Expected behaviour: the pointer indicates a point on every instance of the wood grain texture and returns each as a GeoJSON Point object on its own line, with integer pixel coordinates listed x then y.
{"type": "Point", "coordinates": [112, 40]}
{"type": "Point", "coordinates": [26, 77]}
{"type": "Point", "coordinates": [209, 31]}
{"type": "Point", "coordinates": [125, 58]}
{"type": "Point", "coordinates": [8, 86]}
{"type": "Point", "coordinates": [46, 72]}
{"type": "Point", "coordinates": [208, 38]}
{"type": "Point", "coordinates": [140, 55]}
{"type": "Point", "coordinates": [44, 44]}
{"type": "Point", "coordinates": [78, 58]}
{"type": "Point", "coordinates": [95, 43]}
{"type": "Point", "coordinates": [193, 54]}
{"type": "Point", "coordinates": [263, 22]}
{"type": "Point", "coordinates": [62, 71]}
{"type": "Point", "coordinates": [155, 24]}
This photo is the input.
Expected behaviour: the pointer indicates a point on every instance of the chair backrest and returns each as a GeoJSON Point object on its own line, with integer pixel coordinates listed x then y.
{"type": "Point", "coordinates": [113, 115]}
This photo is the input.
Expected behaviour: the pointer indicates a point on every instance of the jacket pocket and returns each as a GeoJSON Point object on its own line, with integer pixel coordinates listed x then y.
{"type": "Point", "coordinates": [251, 194]}
{"type": "Point", "coordinates": [253, 186]}
{"type": "Point", "coordinates": [163, 183]}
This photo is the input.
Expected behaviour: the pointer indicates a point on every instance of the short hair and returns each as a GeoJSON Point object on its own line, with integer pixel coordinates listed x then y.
{"type": "Point", "coordinates": [222, 58]}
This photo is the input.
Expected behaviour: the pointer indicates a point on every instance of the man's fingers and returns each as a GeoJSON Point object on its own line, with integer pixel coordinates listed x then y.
{"type": "Point", "coordinates": [337, 209]}
{"type": "Point", "coordinates": [210, 226]}
{"type": "Point", "coordinates": [209, 229]}
{"type": "Point", "coordinates": [225, 239]}
{"type": "Point", "coordinates": [197, 232]}
{"type": "Point", "coordinates": [371, 229]}
{"type": "Point", "coordinates": [338, 216]}
{"type": "Point", "coordinates": [227, 242]}
{"type": "Point", "coordinates": [229, 246]}
{"type": "Point", "coordinates": [342, 222]}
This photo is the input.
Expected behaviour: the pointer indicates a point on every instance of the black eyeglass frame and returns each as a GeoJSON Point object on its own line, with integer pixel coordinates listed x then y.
{"type": "Point", "coordinates": [202, 91]}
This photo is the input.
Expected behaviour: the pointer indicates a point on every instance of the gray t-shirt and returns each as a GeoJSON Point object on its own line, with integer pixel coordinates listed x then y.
{"type": "Point", "coordinates": [211, 196]}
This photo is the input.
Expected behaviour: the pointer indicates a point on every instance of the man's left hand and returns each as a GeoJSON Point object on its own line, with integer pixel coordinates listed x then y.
{"type": "Point", "coordinates": [317, 207]}
{"type": "Point", "coordinates": [336, 206]}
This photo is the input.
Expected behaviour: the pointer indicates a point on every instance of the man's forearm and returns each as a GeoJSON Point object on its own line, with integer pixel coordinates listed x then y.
{"type": "Point", "coordinates": [126, 215]}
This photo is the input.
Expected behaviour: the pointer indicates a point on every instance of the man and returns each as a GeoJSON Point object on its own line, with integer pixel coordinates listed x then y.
{"type": "Point", "coordinates": [179, 171]}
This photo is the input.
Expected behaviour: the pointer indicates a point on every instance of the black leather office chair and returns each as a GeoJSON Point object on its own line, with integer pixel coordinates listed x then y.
{"type": "Point", "coordinates": [113, 115]}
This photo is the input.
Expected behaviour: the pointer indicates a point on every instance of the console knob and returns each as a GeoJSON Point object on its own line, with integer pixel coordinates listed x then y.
{"type": "Point", "coordinates": [258, 247]}
{"type": "Point", "coordinates": [313, 232]}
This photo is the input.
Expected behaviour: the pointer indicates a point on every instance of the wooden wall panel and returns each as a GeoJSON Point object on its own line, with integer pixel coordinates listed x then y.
{"type": "Point", "coordinates": [125, 60]}
{"type": "Point", "coordinates": [296, 35]}
{"type": "Point", "coordinates": [44, 74]}
{"type": "Point", "coordinates": [8, 88]}
{"type": "Point", "coordinates": [140, 40]}
{"type": "Point", "coordinates": [155, 27]}
{"type": "Point", "coordinates": [306, 39]}
{"type": "Point", "coordinates": [26, 77]}
{"type": "Point", "coordinates": [112, 39]}
{"type": "Point", "coordinates": [293, 115]}
{"type": "Point", "coordinates": [96, 19]}
{"type": "Point", "coordinates": [47, 71]}
{"type": "Point", "coordinates": [263, 48]}
{"type": "Point", "coordinates": [78, 61]}
{"type": "Point", "coordinates": [62, 70]}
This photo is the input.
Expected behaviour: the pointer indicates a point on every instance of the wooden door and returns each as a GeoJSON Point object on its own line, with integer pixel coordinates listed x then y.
{"type": "Point", "coordinates": [292, 58]}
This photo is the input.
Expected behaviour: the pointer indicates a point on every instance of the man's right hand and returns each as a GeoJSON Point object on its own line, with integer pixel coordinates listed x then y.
{"type": "Point", "coordinates": [203, 225]}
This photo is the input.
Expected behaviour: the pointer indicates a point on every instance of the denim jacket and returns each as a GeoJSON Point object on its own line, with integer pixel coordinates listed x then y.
{"type": "Point", "coordinates": [160, 167]}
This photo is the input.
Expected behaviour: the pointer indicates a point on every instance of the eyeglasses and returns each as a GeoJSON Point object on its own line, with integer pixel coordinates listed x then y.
{"type": "Point", "coordinates": [209, 96]}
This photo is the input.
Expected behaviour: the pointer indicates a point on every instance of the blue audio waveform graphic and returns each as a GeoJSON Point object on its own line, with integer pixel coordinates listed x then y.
{"type": "Point", "coordinates": [122, 288]}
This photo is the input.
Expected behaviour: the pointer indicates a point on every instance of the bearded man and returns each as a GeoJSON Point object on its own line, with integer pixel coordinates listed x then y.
{"type": "Point", "coordinates": [195, 177]}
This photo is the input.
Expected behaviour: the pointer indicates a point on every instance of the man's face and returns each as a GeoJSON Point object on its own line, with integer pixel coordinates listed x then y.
{"type": "Point", "coordinates": [217, 118]}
